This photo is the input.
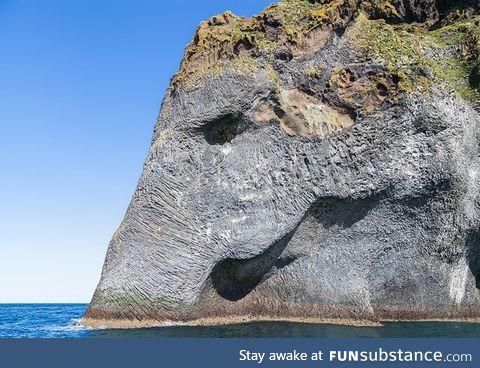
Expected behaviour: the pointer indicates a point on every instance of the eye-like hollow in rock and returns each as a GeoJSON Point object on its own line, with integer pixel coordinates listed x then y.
{"type": "Point", "coordinates": [224, 129]}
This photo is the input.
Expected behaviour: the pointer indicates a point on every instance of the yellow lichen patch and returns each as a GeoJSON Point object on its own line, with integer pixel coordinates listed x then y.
{"type": "Point", "coordinates": [388, 7]}
{"type": "Point", "coordinates": [218, 38]}
{"type": "Point", "coordinates": [189, 80]}
{"type": "Point", "coordinates": [314, 71]}
{"type": "Point", "coordinates": [242, 65]}
{"type": "Point", "coordinates": [222, 38]}
{"type": "Point", "coordinates": [245, 64]}
{"type": "Point", "coordinates": [306, 116]}
{"type": "Point", "coordinates": [320, 14]}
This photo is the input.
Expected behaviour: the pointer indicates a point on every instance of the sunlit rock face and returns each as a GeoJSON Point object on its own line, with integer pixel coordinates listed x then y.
{"type": "Point", "coordinates": [317, 161]}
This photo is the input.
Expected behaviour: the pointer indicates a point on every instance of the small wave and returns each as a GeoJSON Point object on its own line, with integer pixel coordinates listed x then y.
{"type": "Point", "coordinates": [77, 323]}
{"type": "Point", "coordinates": [72, 325]}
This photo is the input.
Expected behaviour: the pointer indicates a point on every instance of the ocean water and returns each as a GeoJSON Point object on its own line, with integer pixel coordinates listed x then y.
{"type": "Point", "coordinates": [61, 321]}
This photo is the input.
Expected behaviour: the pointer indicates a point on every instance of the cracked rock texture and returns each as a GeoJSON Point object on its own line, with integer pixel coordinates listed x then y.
{"type": "Point", "coordinates": [319, 160]}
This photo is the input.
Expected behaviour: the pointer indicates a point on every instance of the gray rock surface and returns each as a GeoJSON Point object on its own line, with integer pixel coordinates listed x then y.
{"type": "Point", "coordinates": [319, 179]}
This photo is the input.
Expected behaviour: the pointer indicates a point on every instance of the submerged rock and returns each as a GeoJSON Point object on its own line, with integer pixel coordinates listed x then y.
{"type": "Point", "coordinates": [317, 161]}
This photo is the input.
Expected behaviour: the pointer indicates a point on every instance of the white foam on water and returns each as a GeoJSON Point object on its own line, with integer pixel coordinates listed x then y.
{"type": "Point", "coordinates": [72, 325]}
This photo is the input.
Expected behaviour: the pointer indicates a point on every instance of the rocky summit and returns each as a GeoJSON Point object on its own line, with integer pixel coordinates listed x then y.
{"type": "Point", "coordinates": [316, 162]}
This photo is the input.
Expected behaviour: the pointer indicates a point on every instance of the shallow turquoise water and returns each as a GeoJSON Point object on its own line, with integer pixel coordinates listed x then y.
{"type": "Point", "coordinates": [60, 321]}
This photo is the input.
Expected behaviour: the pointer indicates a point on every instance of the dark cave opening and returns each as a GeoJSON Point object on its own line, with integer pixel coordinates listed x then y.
{"type": "Point", "coordinates": [224, 129]}
{"type": "Point", "coordinates": [233, 279]}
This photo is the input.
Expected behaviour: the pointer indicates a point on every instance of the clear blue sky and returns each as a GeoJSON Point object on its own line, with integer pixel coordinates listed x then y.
{"type": "Point", "coordinates": [81, 83]}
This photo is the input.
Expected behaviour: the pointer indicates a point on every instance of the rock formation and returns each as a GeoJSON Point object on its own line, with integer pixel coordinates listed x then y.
{"type": "Point", "coordinates": [318, 161]}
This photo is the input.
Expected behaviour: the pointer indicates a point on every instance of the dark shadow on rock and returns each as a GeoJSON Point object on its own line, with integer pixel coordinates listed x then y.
{"type": "Point", "coordinates": [233, 279]}
{"type": "Point", "coordinates": [344, 212]}
{"type": "Point", "coordinates": [472, 246]}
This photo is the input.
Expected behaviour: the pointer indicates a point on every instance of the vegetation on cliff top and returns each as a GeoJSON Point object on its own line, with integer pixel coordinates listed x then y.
{"type": "Point", "coordinates": [448, 54]}
{"type": "Point", "coordinates": [460, 66]}
{"type": "Point", "coordinates": [225, 37]}
{"type": "Point", "coordinates": [418, 54]}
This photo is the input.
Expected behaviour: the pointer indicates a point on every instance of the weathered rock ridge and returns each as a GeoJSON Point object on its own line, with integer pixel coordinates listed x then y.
{"type": "Point", "coordinates": [317, 161]}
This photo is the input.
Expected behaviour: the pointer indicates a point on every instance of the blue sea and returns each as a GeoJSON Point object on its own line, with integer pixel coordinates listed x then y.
{"type": "Point", "coordinates": [61, 321]}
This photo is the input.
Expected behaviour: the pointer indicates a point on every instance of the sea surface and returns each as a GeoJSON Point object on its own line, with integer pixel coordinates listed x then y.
{"type": "Point", "coordinates": [61, 321]}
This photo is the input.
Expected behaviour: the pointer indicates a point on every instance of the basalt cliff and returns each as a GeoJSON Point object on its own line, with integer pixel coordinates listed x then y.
{"type": "Point", "coordinates": [316, 162]}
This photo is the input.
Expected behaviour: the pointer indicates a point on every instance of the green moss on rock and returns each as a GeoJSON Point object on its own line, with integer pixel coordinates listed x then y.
{"type": "Point", "coordinates": [425, 58]}
{"type": "Point", "coordinates": [459, 40]}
